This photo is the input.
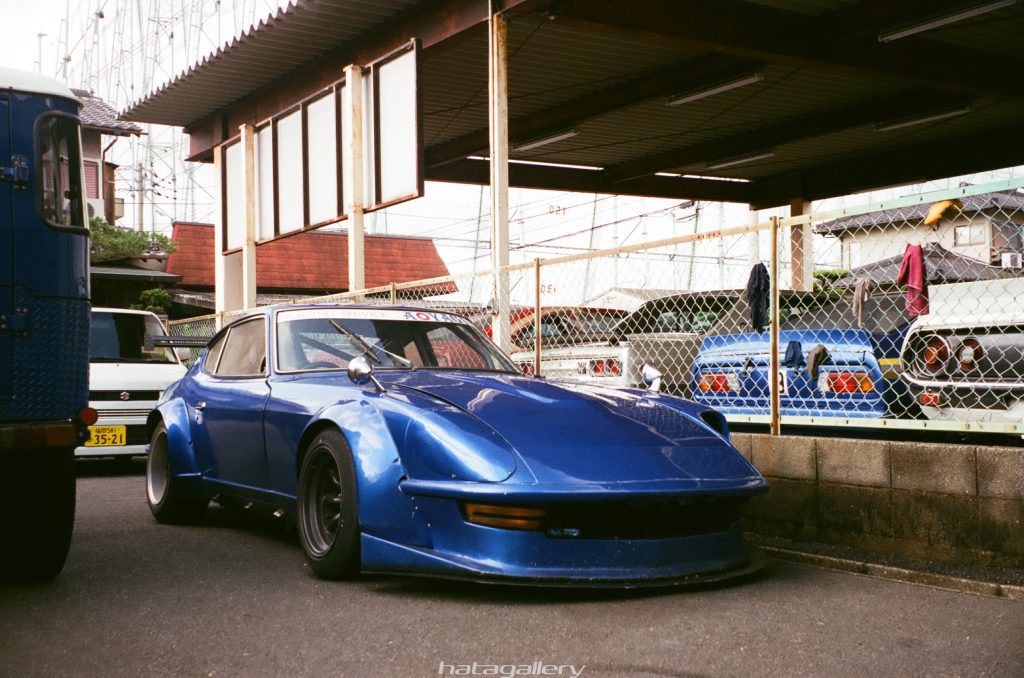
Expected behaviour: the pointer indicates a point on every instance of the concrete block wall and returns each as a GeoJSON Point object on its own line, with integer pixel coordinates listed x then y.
{"type": "Point", "coordinates": [950, 503]}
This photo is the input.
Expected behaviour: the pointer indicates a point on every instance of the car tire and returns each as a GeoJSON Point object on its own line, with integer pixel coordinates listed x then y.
{"type": "Point", "coordinates": [37, 501]}
{"type": "Point", "coordinates": [168, 501]}
{"type": "Point", "coordinates": [328, 516]}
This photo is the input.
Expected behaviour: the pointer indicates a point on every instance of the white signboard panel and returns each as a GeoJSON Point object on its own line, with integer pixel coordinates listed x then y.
{"type": "Point", "coordinates": [234, 196]}
{"type": "Point", "coordinates": [398, 138]}
{"type": "Point", "coordinates": [297, 153]}
{"type": "Point", "coordinates": [290, 210]}
{"type": "Point", "coordinates": [321, 133]}
{"type": "Point", "coordinates": [265, 183]}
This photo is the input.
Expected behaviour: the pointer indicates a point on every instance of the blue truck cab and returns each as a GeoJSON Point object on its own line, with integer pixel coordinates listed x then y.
{"type": "Point", "coordinates": [44, 321]}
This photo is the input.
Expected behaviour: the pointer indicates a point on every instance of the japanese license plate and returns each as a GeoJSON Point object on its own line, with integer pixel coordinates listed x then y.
{"type": "Point", "coordinates": [106, 436]}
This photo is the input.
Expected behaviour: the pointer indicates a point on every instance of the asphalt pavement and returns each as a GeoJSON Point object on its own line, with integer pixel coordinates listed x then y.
{"type": "Point", "coordinates": [232, 597]}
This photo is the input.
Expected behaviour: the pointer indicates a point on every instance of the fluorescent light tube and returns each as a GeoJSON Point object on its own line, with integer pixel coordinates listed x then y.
{"type": "Point", "coordinates": [920, 120]}
{"type": "Point", "coordinates": [945, 20]}
{"type": "Point", "coordinates": [544, 141]}
{"type": "Point", "coordinates": [714, 89]}
{"type": "Point", "coordinates": [739, 160]}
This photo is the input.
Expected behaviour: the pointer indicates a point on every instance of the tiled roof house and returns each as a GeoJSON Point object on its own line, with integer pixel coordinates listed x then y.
{"type": "Point", "coordinates": [304, 264]}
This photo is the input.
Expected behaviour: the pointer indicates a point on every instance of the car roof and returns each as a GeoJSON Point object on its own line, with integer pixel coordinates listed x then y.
{"type": "Point", "coordinates": [393, 307]}
{"type": "Point", "coordinates": [127, 311]}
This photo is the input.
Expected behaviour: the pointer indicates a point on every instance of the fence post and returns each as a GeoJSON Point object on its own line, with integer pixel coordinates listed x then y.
{"type": "Point", "coordinates": [394, 293]}
{"type": "Point", "coordinates": [536, 318]}
{"type": "Point", "coordinates": [773, 367]}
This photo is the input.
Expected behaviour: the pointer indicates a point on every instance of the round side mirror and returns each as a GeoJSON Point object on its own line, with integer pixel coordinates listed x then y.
{"type": "Point", "coordinates": [360, 371]}
{"type": "Point", "coordinates": [652, 377]}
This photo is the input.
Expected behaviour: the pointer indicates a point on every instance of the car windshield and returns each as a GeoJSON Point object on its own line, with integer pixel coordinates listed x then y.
{"type": "Point", "coordinates": [695, 313]}
{"type": "Point", "coordinates": [310, 340]}
{"type": "Point", "coordinates": [126, 338]}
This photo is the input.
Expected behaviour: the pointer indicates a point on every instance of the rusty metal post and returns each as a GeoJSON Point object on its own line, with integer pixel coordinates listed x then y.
{"type": "Point", "coordinates": [248, 133]}
{"type": "Point", "coordinates": [536, 319]}
{"type": "Point", "coordinates": [394, 293]}
{"type": "Point", "coordinates": [498, 117]}
{"type": "Point", "coordinates": [352, 123]}
{"type": "Point", "coordinates": [773, 379]}
{"type": "Point", "coordinates": [801, 247]}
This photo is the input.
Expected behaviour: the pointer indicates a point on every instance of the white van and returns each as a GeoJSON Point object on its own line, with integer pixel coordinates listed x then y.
{"type": "Point", "coordinates": [127, 374]}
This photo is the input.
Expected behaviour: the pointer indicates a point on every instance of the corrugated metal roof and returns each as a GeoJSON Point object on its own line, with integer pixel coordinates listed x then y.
{"type": "Point", "coordinates": [279, 44]}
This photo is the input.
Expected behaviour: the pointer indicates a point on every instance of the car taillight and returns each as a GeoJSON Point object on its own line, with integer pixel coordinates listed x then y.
{"type": "Point", "coordinates": [88, 416]}
{"type": "Point", "coordinates": [528, 369]}
{"type": "Point", "coordinates": [604, 368]}
{"type": "Point", "coordinates": [969, 353]}
{"type": "Point", "coordinates": [846, 382]}
{"type": "Point", "coordinates": [718, 382]}
{"type": "Point", "coordinates": [935, 354]}
{"type": "Point", "coordinates": [929, 398]}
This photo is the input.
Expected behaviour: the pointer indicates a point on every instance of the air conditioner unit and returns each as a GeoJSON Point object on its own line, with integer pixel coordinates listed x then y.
{"type": "Point", "coordinates": [1011, 260]}
{"type": "Point", "coordinates": [94, 207]}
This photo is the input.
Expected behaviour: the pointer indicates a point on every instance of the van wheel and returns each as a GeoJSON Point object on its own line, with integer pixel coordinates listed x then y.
{"type": "Point", "coordinates": [37, 512]}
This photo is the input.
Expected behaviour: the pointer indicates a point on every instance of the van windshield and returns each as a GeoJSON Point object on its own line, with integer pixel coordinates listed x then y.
{"type": "Point", "coordinates": [126, 337]}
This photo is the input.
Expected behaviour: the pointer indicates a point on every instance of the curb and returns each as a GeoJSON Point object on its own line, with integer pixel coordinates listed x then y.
{"type": "Point", "coordinates": [940, 581]}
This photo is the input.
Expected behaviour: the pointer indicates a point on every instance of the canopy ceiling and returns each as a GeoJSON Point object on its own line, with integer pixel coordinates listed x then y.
{"type": "Point", "coordinates": [836, 100]}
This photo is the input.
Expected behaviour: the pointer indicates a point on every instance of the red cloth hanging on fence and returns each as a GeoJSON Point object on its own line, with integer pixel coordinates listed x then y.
{"type": "Point", "coordinates": [915, 277]}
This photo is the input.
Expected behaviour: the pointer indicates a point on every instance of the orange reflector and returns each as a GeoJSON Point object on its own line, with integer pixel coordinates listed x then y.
{"type": "Point", "coordinates": [38, 435]}
{"type": "Point", "coordinates": [507, 517]}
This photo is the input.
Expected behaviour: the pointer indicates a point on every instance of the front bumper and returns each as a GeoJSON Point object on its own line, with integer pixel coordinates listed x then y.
{"type": "Point", "coordinates": [456, 548]}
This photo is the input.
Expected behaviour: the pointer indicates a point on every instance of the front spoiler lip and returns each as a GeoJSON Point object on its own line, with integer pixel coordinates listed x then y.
{"type": "Point", "coordinates": [755, 562]}
{"type": "Point", "coordinates": [568, 492]}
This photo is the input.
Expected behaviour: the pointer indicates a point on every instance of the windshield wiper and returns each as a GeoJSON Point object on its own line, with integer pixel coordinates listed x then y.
{"type": "Point", "coordinates": [368, 349]}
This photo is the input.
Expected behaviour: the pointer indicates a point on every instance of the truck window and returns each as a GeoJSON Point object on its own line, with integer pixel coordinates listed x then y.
{"type": "Point", "coordinates": [59, 165]}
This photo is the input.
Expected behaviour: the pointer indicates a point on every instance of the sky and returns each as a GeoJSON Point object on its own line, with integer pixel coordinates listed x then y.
{"type": "Point", "coordinates": [23, 20]}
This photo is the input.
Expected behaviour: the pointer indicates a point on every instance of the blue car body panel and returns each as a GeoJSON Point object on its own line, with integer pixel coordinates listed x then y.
{"type": "Point", "coordinates": [747, 356]}
{"type": "Point", "coordinates": [437, 437]}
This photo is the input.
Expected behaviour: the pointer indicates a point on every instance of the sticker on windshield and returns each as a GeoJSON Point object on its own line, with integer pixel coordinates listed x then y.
{"type": "Point", "coordinates": [371, 314]}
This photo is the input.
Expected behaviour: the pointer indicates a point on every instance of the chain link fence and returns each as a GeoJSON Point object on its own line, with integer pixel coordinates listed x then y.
{"type": "Point", "coordinates": [906, 314]}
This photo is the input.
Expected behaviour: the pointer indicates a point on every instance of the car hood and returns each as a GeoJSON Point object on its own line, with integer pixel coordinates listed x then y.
{"type": "Point", "coordinates": [568, 433]}
{"type": "Point", "coordinates": [133, 376]}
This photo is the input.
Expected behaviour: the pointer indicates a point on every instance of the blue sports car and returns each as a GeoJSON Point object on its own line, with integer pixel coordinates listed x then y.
{"type": "Point", "coordinates": [831, 364]}
{"type": "Point", "coordinates": [402, 441]}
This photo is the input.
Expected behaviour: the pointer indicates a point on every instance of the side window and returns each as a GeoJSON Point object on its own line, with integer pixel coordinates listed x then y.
{"type": "Point", "coordinates": [60, 172]}
{"type": "Point", "coordinates": [213, 354]}
{"type": "Point", "coordinates": [245, 350]}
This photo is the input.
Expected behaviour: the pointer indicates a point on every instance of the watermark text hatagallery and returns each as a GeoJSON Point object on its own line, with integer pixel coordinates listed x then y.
{"type": "Point", "coordinates": [536, 668]}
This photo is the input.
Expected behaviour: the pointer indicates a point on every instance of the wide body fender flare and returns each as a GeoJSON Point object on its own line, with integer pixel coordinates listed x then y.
{"type": "Point", "coordinates": [384, 510]}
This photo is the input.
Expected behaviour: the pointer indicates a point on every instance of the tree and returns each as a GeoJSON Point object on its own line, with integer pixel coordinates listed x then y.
{"type": "Point", "coordinates": [156, 300]}
{"type": "Point", "coordinates": [110, 243]}
{"type": "Point", "coordinates": [825, 278]}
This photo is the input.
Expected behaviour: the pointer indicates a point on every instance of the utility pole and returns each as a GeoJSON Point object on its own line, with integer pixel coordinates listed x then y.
{"type": "Point", "coordinates": [39, 62]}
{"type": "Point", "coordinates": [140, 191]}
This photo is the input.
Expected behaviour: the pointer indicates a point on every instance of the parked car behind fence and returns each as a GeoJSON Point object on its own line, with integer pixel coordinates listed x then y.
{"type": "Point", "coordinates": [964, 361]}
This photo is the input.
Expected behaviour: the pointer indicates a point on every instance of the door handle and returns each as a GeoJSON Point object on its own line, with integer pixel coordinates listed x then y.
{"type": "Point", "coordinates": [201, 405]}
